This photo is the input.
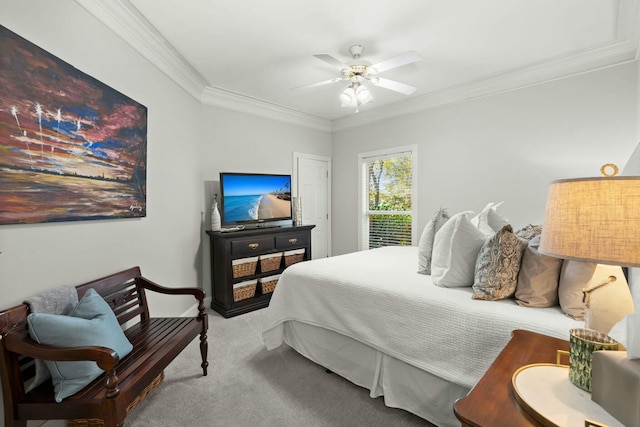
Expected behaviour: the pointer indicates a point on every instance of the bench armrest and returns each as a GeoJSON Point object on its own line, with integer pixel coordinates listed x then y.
{"type": "Point", "coordinates": [196, 292]}
{"type": "Point", "coordinates": [148, 284]}
{"type": "Point", "coordinates": [106, 358]}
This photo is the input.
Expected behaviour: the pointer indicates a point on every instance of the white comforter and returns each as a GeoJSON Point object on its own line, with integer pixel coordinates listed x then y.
{"type": "Point", "coordinates": [377, 298]}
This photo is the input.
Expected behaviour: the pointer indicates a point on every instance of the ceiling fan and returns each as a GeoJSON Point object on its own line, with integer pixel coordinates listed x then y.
{"type": "Point", "coordinates": [359, 71]}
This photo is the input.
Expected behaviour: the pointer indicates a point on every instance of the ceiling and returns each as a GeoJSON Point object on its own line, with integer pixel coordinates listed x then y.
{"type": "Point", "coordinates": [247, 55]}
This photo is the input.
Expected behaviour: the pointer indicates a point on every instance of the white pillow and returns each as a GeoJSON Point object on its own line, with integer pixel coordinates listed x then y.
{"type": "Point", "coordinates": [425, 246]}
{"type": "Point", "coordinates": [455, 249]}
{"type": "Point", "coordinates": [489, 221]}
{"type": "Point", "coordinates": [608, 304]}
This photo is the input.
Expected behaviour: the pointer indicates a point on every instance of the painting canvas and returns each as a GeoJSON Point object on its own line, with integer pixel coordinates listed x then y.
{"type": "Point", "coordinates": [71, 147]}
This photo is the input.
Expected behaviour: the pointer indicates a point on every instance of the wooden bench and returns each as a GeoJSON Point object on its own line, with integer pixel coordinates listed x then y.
{"type": "Point", "coordinates": [156, 342]}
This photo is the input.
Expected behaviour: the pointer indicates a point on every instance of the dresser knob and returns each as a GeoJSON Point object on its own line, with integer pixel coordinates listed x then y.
{"type": "Point", "coordinates": [254, 245]}
{"type": "Point", "coordinates": [293, 241]}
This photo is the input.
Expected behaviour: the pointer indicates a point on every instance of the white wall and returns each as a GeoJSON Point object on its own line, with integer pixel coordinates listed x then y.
{"type": "Point", "coordinates": [188, 145]}
{"type": "Point", "coordinates": [165, 244]}
{"type": "Point", "coordinates": [506, 147]}
{"type": "Point", "coordinates": [236, 142]}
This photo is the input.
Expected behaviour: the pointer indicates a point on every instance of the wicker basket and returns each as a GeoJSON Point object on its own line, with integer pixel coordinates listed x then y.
{"type": "Point", "coordinates": [291, 257]}
{"type": "Point", "coordinates": [244, 267]}
{"type": "Point", "coordinates": [97, 422]}
{"type": "Point", "coordinates": [268, 284]}
{"type": "Point", "coordinates": [244, 290]}
{"type": "Point", "coordinates": [270, 262]}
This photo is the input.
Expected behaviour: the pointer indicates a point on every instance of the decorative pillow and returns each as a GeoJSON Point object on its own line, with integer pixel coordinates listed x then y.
{"type": "Point", "coordinates": [574, 275]}
{"type": "Point", "coordinates": [529, 231]}
{"type": "Point", "coordinates": [489, 221]}
{"type": "Point", "coordinates": [455, 249]}
{"type": "Point", "coordinates": [609, 302]}
{"type": "Point", "coordinates": [538, 278]}
{"type": "Point", "coordinates": [60, 300]}
{"type": "Point", "coordinates": [497, 266]}
{"type": "Point", "coordinates": [425, 246]}
{"type": "Point", "coordinates": [91, 323]}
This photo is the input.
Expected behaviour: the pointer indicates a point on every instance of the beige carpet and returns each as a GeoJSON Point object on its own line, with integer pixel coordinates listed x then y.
{"type": "Point", "coordinates": [250, 386]}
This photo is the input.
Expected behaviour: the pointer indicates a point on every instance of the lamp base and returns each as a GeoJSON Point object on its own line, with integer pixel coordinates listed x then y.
{"type": "Point", "coordinates": [615, 385]}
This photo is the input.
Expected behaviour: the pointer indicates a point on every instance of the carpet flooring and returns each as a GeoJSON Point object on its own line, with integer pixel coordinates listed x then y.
{"type": "Point", "coordinates": [250, 386]}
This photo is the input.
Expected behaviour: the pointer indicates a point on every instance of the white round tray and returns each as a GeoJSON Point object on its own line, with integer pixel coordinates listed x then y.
{"type": "Point", "coordinates": [545, 392]}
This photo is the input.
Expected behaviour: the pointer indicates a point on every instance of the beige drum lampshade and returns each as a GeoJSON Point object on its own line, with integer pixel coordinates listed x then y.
{"type": "Point", "coordinates": [594, 220]}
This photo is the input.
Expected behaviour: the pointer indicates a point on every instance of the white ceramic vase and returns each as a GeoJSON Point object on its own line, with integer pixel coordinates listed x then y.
{"type": "Point", "coordinates": [216, 222]}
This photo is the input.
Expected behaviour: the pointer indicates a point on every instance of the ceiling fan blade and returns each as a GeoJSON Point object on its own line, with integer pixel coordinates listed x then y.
{"type": "Point", "coordinates": [325, 82]}
{"type": "Point", "coordinates": [331, 61]}
{"type": "Point", "coordinates": [393, 85]}
{"type": "Point", "coordinates": [398, 61]}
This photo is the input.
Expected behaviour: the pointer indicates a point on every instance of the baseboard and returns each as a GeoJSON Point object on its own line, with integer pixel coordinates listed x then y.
{"type": "Point", "coordinates": [194, 308]}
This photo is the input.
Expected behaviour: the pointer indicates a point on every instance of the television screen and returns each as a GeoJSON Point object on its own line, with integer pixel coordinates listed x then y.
{"type": "Point", "coordinates": [250, 197]}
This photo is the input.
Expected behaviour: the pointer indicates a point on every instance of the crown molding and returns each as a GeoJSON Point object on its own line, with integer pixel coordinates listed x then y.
{"type": "Point", "coordinates": [229, 100]}
{"type": "Point", "coordinates": [625, 48]}
{"type": "Point", "coordinates": [603, 57]}
{"type": "Point", "coordinates": [127, 22]}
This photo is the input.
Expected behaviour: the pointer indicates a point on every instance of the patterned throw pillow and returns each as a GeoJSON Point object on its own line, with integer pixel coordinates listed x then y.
{"type": "Point", "coordinates": [529, 231]}
{"type": "Point", "coordinates": [425, 246]}
{"type": "Point", "coordinates": [497, 266]}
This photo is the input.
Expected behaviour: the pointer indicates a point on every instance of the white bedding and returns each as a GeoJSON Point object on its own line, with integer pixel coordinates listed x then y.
{"type": "Point", "coordinates": [376, 297]}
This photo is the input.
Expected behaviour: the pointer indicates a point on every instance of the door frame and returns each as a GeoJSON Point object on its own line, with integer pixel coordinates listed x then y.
{"type": "Point", "coordinates": [294, 186]}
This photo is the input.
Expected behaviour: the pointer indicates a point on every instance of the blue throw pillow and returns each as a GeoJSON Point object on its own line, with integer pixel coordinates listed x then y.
{"type": "Point", "coordinates": [91, 323]}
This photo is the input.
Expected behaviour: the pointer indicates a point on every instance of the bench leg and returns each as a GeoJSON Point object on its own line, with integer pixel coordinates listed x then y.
{"type": "Point", "coordinates": [204, 349]}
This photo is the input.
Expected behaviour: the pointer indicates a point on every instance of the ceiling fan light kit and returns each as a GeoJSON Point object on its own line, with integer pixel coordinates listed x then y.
{"type": "Point", "coordinates": [355, 95]}
{"type": "Point", "coordinates": [358, 71]}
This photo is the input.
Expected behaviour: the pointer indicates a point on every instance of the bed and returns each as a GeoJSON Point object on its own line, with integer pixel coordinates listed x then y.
{"type": "Point", "coordinates": [371, 318]}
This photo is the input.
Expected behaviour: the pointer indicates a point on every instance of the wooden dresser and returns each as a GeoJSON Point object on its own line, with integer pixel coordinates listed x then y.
{"type": "Point", "coordinates": [260, 246]}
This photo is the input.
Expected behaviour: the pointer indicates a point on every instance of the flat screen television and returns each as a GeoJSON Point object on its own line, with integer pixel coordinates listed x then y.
{"type": "Point", "coordinates": [252, 198]}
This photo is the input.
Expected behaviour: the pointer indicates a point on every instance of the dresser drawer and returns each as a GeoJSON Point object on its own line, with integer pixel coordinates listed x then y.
{"type": "Point", "coordinates": [292, 241]}
{"type": "Point", "coordinates": [251, 246]}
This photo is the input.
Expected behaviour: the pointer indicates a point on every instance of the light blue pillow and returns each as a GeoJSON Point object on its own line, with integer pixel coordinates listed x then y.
{"type": "Point", "coordinates": [90, 323]}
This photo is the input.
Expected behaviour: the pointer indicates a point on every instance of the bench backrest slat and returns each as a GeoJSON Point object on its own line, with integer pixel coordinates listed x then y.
{"type": "Point", "coordinates": [125, 302]}
{"type": "Point", "coordinates": [122, 293]}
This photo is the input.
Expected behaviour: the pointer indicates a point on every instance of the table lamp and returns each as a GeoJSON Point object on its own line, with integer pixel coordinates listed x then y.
{"type": "Point", "coordinates": [598, 220]}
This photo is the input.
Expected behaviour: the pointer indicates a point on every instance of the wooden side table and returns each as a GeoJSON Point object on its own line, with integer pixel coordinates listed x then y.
{"type": "Point", "coordinates": [492, 402]}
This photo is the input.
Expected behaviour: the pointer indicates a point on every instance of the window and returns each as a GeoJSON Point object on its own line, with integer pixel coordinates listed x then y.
{"type": "Point", "coordinates": [387, 197]}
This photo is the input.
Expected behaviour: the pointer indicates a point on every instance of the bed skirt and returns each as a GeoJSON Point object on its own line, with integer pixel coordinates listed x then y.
{"type": "Point", "coordinates": [401, 385]}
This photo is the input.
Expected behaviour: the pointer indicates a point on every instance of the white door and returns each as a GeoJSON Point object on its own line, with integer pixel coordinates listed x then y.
{"type": "Point", "coordinates": [313, 188]}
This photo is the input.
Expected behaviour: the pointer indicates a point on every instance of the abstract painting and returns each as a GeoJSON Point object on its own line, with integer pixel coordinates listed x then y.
{"type": "Point", "coordinates": [71, 147]}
